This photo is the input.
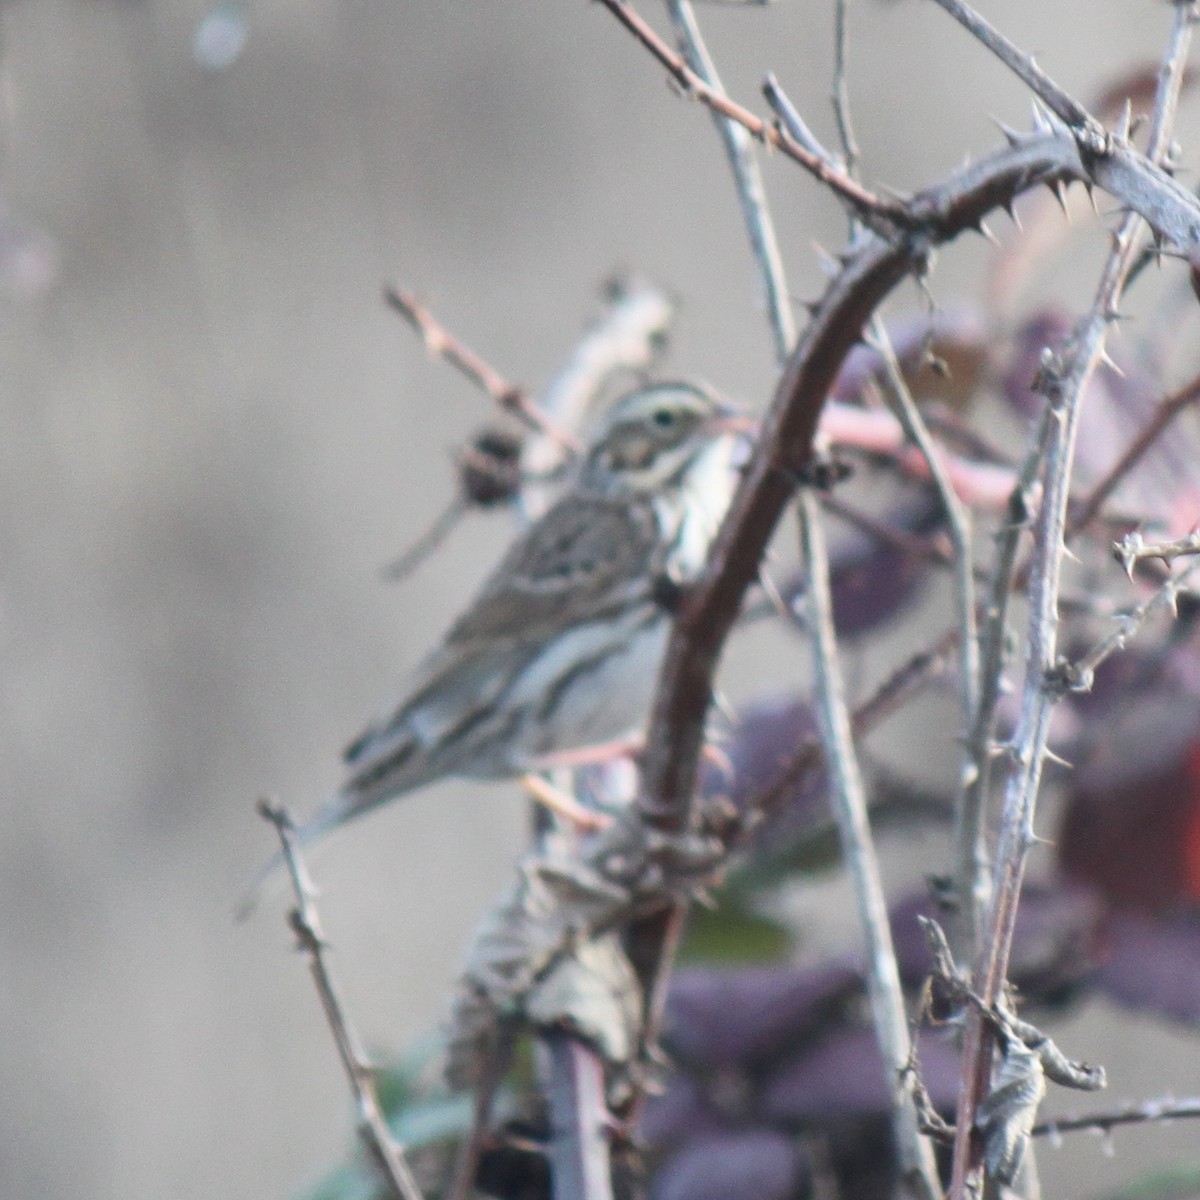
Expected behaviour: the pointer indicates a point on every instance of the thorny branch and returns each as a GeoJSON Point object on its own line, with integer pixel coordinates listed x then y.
{"type": "Point", "coordinates": [372, 1126]}
{"type": "Point", "coordinates": [904, 235]}
{"type": "Point", "coordinates": [870, 270]}
{"type": "Point", "coordinates": [1133, 549]}
{"type": "Point", "coordinates": [1025, 1060]}
{"type": "Point", "coordinates": [972, 869]}
{"type": "Point", "coordinates": [883, 979]}
{"type": "Point", "coordinates": [1063, 381]}
{"type": "Point", "coordinates": [654, 942]}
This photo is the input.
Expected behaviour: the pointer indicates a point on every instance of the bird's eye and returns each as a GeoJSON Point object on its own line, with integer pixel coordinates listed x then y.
{"type": "Point", "coordinates": [664, 418]}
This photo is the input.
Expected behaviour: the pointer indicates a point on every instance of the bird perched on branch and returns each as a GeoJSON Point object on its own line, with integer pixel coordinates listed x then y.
{"type": "Point", "coordinates": [560, 648]}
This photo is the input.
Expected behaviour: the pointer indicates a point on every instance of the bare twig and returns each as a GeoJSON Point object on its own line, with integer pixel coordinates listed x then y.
{"type": "Point", "coordinates": [372, 1126]}
{"type": "Point", "coordinates": [1065, 107]}
{"type": "Point", "coordinates": [405, 563]}
{"type": "Point", "coordinates": [848, 798]}
{"type": "Point", "coordinates": [1109, 159]}
{"type": "Point", "coordinates": [739, 147]}
{"type": "Point", "coordinates": [982, 485]}
{"type": "Point", "coordinates": [1136, 1114]}
{"type": "Point", "coordinates": [1063, 383]}
{"type": "Point", "coordinates": [440, 342]}
{"type": "Point", "coordinates": [841, 90]}
{"type": "Point", "coordinates": [794, 123]}
{"type": "Point", "coordinates": [874, 211]}
{"type": "Point", "coordinates": [905, 683]}
{"type": "Point", "coordinates": [958, 519]}
{"type": "Point", "coordinates": [1133, 549]}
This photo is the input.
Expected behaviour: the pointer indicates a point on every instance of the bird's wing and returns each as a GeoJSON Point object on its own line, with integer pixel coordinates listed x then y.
{"type": "Point", "coordinates": [587, 555]}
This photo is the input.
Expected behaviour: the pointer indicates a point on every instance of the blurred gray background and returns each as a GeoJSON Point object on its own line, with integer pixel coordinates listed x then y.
{"type": "Point", "coordinates": [214, 436]}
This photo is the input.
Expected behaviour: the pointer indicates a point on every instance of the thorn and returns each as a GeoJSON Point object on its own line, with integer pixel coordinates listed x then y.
{"type": "Point", "coordinates": [982, 229]}
{"type": "Point", "coordinates": [1105, 360]}
{"type": "Point", "coordinates": [1041, 121]}
{"type": "Point", "coordinates": [1089, 187]}
{"type": "Point", "coordinates": [1069, 553]}
{"type": "Point", "coordinates": [1010, 208]}
{"type": "Point", "coordinates": [1010, 135]}
{"type": "Point", "coordinates": [1062, 762]}
{"type": "Point", "coordinates": [1058, 190]}
{"type": "Point", "coordinates": [1032, 839]}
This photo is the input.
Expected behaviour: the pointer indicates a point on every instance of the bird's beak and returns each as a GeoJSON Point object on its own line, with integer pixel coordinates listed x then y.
{"type": "Point", "coordinates": [728, 419]}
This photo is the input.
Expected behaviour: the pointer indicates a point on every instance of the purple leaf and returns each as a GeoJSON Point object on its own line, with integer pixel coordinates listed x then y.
{"type": "Point", "coordinates": [768, 735]}
{"type": "Point", "coordinates": [682, 1111]}
{"type": "Point", "coordinates": [1131, 822]}
{"type": "Point", "coordinates": [748, 1165]}
{"type": "Point", "coordinates": [843, 1075]}
{"type": "Point", "coordinates": [1165, 484]}
{"type": "Point", "coordinates": [1152, 964]}
{"type": "Point", "coordinates": [722, 1018]}
{"type": "Point", "coordinates": [1053, 946]}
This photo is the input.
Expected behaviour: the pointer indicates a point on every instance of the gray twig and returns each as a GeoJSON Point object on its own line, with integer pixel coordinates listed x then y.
{"type": "Point", "coordinates": [1065, 107]}
{"type": "Point", "coordinates": [794, 123]}
{"type": "Point", "coordinates": [372, 1125]}
{"type": "Point", "coordinates": [841, 89]}
{"type": "Point", "coordinates": [1136, 1114]}
{"type": "Point", "coordinates": [958, 518]}
{"type": "Point", "coordinates": [739, 146]}
{"type": "Point", "coordinates": [848, 799]}
{"type": "Point", "coordinates": [1079, 675]}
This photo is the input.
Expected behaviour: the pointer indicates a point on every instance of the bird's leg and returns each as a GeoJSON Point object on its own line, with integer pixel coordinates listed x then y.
{"type": "Point", "coordinates": [564, 805]}
{"type": "Point", "coordinates": [626, 747]}
{"type": "Point", "coordinates": [590, 756]}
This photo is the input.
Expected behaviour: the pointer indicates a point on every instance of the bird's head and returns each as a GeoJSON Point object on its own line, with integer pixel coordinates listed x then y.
{"type": "Point", "coordinates": [654, 436]}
